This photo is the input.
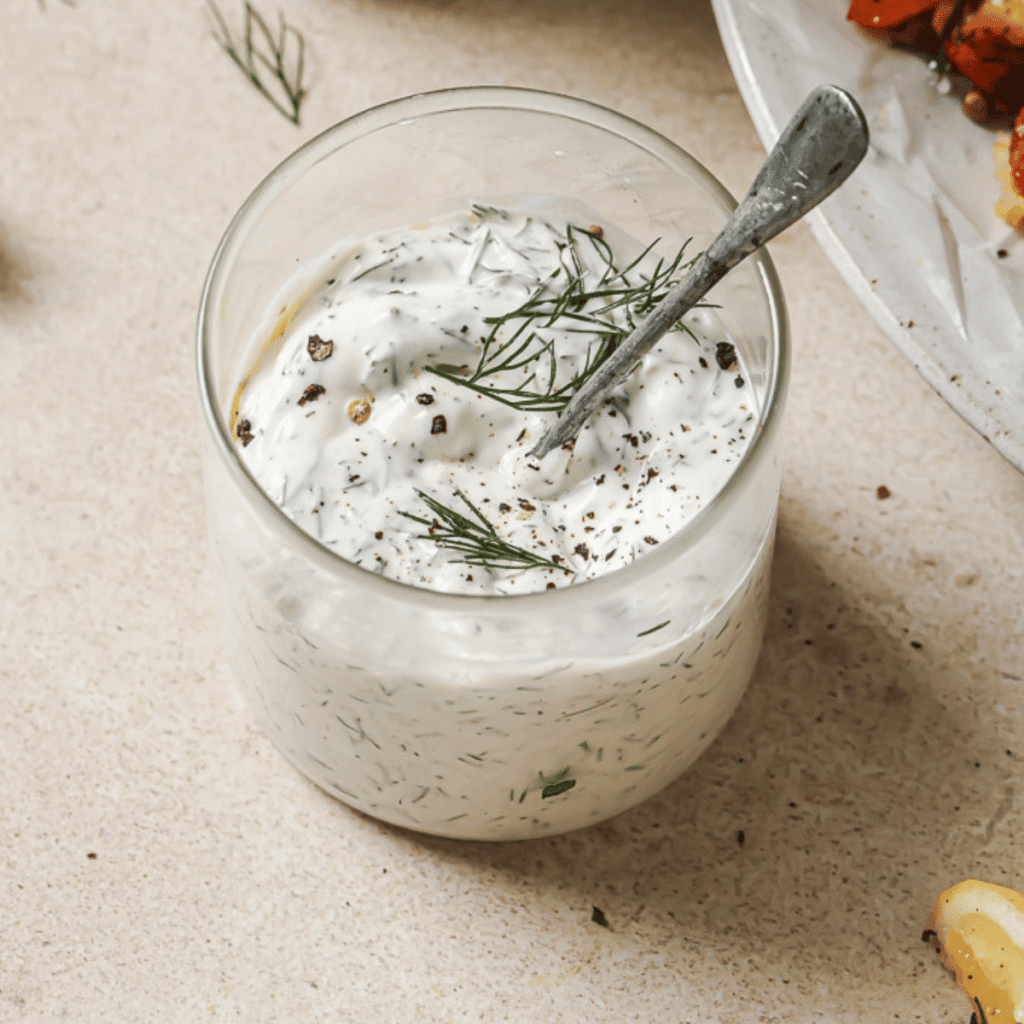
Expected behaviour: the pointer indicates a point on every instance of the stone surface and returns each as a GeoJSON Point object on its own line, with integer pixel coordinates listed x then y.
{"type": "Point", "coordinates": [159, 861]}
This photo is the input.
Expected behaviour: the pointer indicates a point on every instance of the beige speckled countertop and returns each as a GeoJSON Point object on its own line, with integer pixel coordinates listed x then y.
{"type": "Point", "coordinates": [159, 860]}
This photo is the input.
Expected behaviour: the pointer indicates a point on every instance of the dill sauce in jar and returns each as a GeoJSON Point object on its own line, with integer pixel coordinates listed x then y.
{"type": "Point", "coordinates": [436, 628]}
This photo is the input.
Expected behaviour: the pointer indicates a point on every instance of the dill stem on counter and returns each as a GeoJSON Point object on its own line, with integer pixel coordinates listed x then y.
{"type": "Point", "coordinates": [260, 55]}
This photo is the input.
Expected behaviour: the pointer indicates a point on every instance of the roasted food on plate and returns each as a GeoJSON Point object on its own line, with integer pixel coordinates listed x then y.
{"type": "Point", "coordinates": [982, 41]}
{"type": "Point", "coordinates": [977, 929]}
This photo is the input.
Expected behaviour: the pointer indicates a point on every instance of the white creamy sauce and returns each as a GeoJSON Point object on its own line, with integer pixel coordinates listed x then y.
{"type": "Point", "coordinates": [346, 429]}
{"type": "Point", "coordinates": [479, 727]}
{"type": "Point", "coordinates": [478, 748]}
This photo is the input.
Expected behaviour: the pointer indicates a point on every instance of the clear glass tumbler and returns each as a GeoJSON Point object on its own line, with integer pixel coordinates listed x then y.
{"type": "Point", "coordinates": [486, 717]}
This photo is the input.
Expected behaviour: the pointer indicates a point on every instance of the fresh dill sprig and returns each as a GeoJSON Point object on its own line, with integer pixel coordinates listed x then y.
{"type": "Point", "coordinates": [260, 55]}
{"type": "Point", "coordinates": [577, 304]}
{"type": "Point", "coordinates": [475, 538]}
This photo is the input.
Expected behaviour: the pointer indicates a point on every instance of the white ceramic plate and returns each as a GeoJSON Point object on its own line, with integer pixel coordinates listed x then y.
{"type": "Point", "coordinates": [913, 232]}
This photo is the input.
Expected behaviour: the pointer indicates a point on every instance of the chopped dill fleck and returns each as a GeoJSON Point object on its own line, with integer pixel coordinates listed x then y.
{"type": "Point", "coordinates": [488, 212]}
{"type": "Point", "coordinates": [654, 629]}
{"type": "Point", "coordinates": [557, 787]}
{"type": "Point", "coordinates": [370, 270]}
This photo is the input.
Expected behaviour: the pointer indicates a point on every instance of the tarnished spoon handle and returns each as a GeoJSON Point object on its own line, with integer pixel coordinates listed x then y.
{"type": "Point", "coordinates": [818, 150]}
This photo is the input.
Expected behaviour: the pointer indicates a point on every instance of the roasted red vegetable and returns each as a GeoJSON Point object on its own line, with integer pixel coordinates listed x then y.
{"type": "Point", "coordinates": [903, 23]}
{"type": "Point", "coordinates": [982, 40]}
{"type": "Point", "coordinates": [987, 47]}
{"type": "Point", "coordinates": [887, 13]}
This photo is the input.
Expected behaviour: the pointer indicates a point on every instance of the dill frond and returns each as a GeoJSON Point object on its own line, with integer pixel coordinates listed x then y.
{"type": "Point", "coordinates": [475, 538]}
{"type": "Point", "coordinates": [264, 59]}
{"type": "Point", "coordinates": [608, 308]}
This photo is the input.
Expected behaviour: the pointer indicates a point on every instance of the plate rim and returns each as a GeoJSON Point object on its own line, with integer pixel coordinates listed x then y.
{"type": "Point", "coordinates": [991, 427]}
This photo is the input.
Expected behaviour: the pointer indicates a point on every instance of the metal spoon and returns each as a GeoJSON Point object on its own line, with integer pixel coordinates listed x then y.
{"type": "Point", "coordinates": [818, 150]}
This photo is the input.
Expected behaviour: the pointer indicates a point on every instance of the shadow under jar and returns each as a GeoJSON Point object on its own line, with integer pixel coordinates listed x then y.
{"type": "Point", "coordinates": [486, 717]}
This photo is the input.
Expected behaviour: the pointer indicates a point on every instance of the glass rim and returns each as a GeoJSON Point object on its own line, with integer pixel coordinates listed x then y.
{"type": "Point", "coordinates": [408, 108]}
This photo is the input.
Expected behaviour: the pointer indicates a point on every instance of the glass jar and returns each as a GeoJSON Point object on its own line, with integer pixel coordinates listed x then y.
{"type": "Point", "coordinates": [502, 717]}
